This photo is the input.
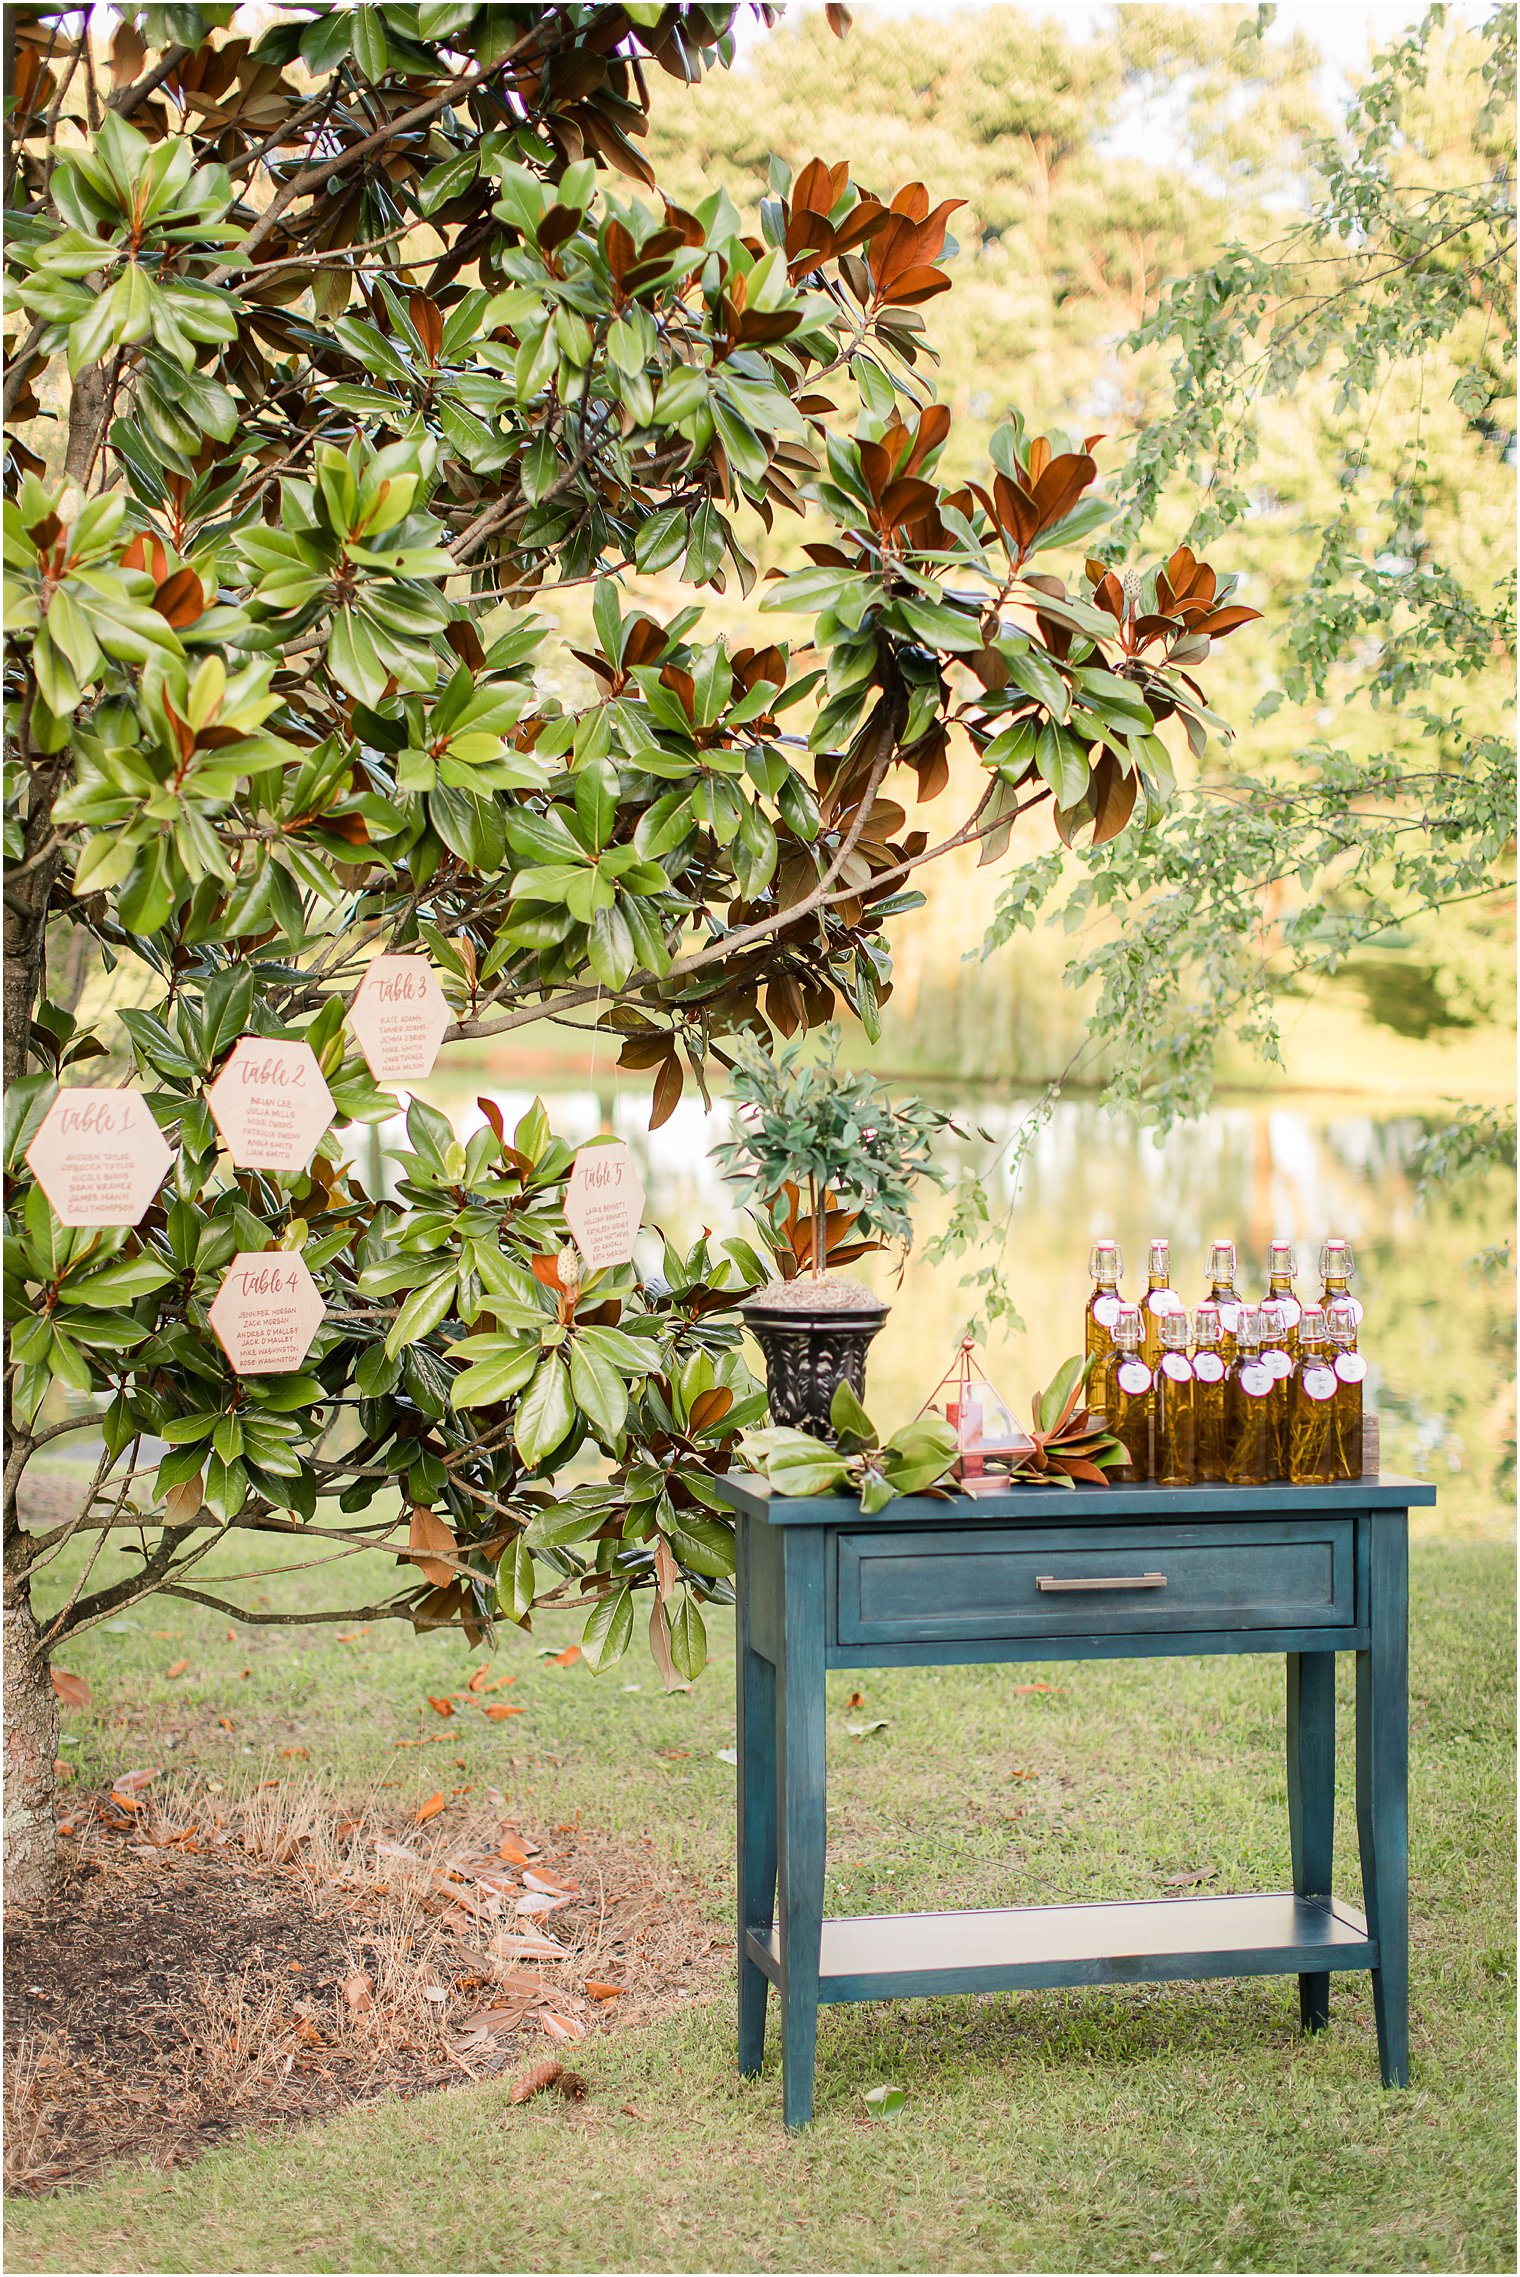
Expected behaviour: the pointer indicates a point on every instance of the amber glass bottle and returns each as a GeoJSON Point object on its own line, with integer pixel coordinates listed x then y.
{"type": "Point", "coordinates": [1173, 1425]}
{"type": "Point", "coordinates": [1248, 1409]}
{"type": "Point", "coordinates": [1276, 1357]}
{"type": "Point", "coordinates": [1350, 1374]}
{"type": "Point", "coordinates": [1127, 1397]}
{"type": "Point", "coordinates": [1209, 1437]}
{"type": "Point", "coordinates": [1338, 1266]}
{"type": "Point", "coordinates": [1311, 1405]}
{"type": "Point", "coordinates": [1224, 1297]}
{"type": "Point", "coordinates": [1105, 1262]}
{"type": "Point", "coordinates": [1281, 1271]}
{"type": "Point", "coordinates": [1159, 1299]}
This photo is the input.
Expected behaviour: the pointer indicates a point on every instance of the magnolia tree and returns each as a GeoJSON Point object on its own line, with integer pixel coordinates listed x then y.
{"type": "Point", "coordinates": [336, 353]}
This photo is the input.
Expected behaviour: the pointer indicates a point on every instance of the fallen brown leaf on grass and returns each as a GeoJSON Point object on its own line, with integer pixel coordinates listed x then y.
{"type": "Point", "coordinates": [567, 1658]}
{"type": "Point", "coordinates": [530, 1945]}
{"type": "Point", "coordinates": [73, 1691]}
{"type": "Point", "coordinates": [359, 1993]}
{"type": "Point", "coordinates": [515, 1850]}
{"type": "Point", "coordinates": [856, 1700]}
{"type": "Point", "coordinates": [430, 1809]}
{"type": "Point", "coordinates": [498, 1711]}
{"type": "Point", "coordinates": [604, 1991]}
{"type": "Point", "coordinates": [130, 1781]}
{"type": "Point", "coordinates": [295, 1754]}
{"type": "Point", "coordinates": [549, 1885]}
{"type": "Point", "coordinates": [1034, 1687]}
{"type": "Point", "coordinates": [545, 2075]}
{"type": "Point", "coordinates": [440, 1707]}
{"type": "Point", "coordinates": [1191, 1880]}
{"type": "Point", "coordinates": [177, 1668]}
{"type": "Point", "coordinates": [561, 2028]}
{"type": "Point", "coordinates": [629, 2112]}
{"type": "Point", "coordinates": [348, 1636]}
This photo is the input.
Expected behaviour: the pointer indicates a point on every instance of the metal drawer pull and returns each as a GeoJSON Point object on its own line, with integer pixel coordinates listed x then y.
{"type": "Point", "coordinates": [1111, 1581]}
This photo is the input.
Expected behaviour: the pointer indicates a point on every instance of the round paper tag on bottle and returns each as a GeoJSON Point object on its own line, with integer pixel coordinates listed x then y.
{"type": "Point", "coordinates": [1277, 1362]}
{"type": "Point", "coordinates": [1291, 1310]}
{"type": "Point", "coordinates": [1105, 1311]}
{"type": "Point", "coordinates": [99, 1157]}
{"type": "Point", "coordinates": [1255, 1379]}
{"type": "Point", "coordinates": [1318, 1381]}
{"type": "Point", "coordinates": [604, 1204]}
{"type": "Point", "coordinates": [1229, 1319]}
{"type": "Point", "coordinates": [1350, 1367]}
{"type": "Point", "coordinates": [1208, 1367]}
{"type": "Point", "coordinates": [1175, 1365]}
{"type": "Point", "coordinates": [271, 1104]}
{"type": "Point", "coordinates": [1134, 1376]}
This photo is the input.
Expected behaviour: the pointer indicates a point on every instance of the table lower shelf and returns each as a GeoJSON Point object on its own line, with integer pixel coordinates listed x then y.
{"type": "Point", "coordinates": [895, 1956]}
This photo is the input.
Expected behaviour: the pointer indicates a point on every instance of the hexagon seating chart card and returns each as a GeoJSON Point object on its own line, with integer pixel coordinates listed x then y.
{"type": "Point", "coordinates": [267, 1311]}
{"type": "Point", "coordinates": [271, 1104]}
{"type": "Point", "coordinates": [398, 1017]}
{"type": "Point", "coordinates": [604, 1203]}
{"type": "Point", "coordinates": [99, 1157]}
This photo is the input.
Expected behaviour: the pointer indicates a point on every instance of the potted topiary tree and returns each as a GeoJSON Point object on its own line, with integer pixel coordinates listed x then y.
{"type": "Point", "coordinates": [827, 1160]}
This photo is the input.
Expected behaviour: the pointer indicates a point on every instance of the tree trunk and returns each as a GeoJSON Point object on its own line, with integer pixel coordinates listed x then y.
{"type": "Point", "coordinates": [30, 1705]}
{"type": "Point", "coordinates": [31, 1748]}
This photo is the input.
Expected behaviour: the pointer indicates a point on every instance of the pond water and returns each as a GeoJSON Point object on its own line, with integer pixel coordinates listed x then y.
{"type": "Point", "coordinates": [1439, 1332]}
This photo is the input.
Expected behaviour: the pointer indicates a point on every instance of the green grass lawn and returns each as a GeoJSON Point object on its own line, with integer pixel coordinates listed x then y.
{"type": "Point", "coordinates": [1174, 2128]}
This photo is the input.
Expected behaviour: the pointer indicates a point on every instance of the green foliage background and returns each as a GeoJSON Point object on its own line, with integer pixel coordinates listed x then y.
{"type": "Point", "coordinates": [1099, 168]}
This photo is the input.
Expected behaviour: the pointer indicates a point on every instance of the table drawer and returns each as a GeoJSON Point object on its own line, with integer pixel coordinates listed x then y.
{"type": "Point", "coordinates": [1125, 1580]}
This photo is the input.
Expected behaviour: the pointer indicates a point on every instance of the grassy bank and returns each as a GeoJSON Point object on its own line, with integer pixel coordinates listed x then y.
{"type": "Point", "coordinates": [1175, 2128]}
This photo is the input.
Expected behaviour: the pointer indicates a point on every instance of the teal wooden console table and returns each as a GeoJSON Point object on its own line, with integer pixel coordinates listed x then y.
{"type": "Point", "coordinates": [1035, 1574]}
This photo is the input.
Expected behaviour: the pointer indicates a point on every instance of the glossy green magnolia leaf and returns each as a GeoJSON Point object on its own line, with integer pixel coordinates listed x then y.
{"type": "Point", "coordinates": [605, 1638]}
{"type": "Point", "coordinates": [546, 1415]}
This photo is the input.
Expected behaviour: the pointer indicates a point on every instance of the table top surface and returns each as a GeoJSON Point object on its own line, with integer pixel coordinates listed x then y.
{"type": "Point", "coordinates": [750, 1497]}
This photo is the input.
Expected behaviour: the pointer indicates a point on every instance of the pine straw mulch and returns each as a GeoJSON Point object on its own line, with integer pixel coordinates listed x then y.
{"type": "Point", "coordinates": [213, 1966]}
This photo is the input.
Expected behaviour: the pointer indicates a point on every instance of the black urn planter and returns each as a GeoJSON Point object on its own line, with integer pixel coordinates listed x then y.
{"type": "Point", "coordinates": [811, 1346]}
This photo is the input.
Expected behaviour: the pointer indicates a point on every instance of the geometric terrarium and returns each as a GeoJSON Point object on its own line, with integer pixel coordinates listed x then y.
{"type": "Point", "coordinates": [989, 1441]}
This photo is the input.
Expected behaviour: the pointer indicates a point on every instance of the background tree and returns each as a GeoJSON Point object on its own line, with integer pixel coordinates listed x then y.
{"type": "Point", "coordinates": [338, 346]}
{"type": "Point", "coordinates": [1294, 317]}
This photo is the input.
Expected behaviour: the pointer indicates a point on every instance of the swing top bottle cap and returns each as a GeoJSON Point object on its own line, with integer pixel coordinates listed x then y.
{"type": "Point", "coordinates": [1249, 1331]}
{"type": "Point", "coordinates": [1280, 1265]}
{"type": "Point", "coordinates": [1161, 1259]}
{"type": "Point", "coordinates": [1336, 1261]}
{"type": "Point", "coordinates": [1105, 1261]}
{"type": "Point", "coordinates": [1207, 1326]}
{"type": "Point", "coordinates": [1129, 1330]}
{"type": "Point", "coordinates": [1174, 1331]}
{"type": "Point", "coordinates": [1340, 1319]}
{"type": "Point", "coordinates": [1271, 1324]}
{"type": "Point", "coordinates": [1311, 1328]}
{"type": "Point", "coordinates": [1222, 1262]}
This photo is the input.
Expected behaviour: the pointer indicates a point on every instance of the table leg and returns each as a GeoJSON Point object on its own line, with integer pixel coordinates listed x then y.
{"type": "Point", "coordinates": [757, 1841]}
{"type": "Point", "coordinates": [1311, 1802]}
{"type": "Point", "coordinates": [1382, 1784]}
{"type": "Point", "coordinates": [799, 1747]}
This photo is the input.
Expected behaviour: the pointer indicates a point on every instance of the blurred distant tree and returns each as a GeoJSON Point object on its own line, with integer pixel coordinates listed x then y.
{"type": "Point", "coordinates": [1383, 322]}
